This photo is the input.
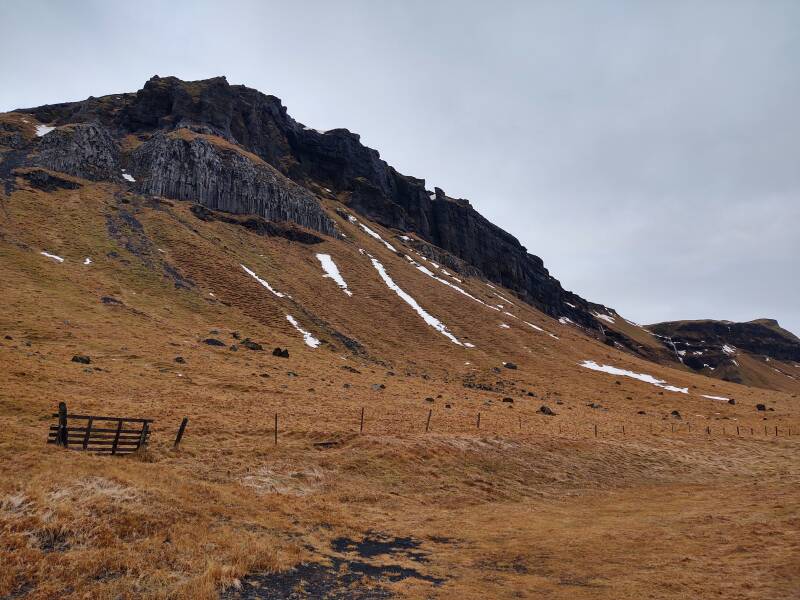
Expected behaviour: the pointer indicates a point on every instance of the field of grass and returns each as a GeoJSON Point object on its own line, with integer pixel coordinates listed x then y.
{"type": "Point", "coordinates": [526, 506]}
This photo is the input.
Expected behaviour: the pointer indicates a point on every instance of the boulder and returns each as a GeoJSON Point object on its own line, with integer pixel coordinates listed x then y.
{"type": "Point", "coordinates": [82, 359]}
{"type": "Point", "coordinates": [281, 353]}
{"type": "Point", "coordinates": [546, 410]}
{"type": "Point", "coordinates": [214, 342]}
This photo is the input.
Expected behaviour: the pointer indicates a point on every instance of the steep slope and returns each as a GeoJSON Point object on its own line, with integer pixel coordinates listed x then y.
{"type": "Point", "coordinates": [184, 166]}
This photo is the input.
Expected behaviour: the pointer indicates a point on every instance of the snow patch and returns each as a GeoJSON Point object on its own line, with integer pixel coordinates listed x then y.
{"type": "Point", "coordinates": [332, 272]}
{"type": "Point", "coordinates": [590, 364]}
{"type": "Point", "coordinates": [715, 397]}
{"type": "Point", "coordinates": [309, 339]}
{"type": "Point", "coordinates": [729, 350]}
{"type": "Point", "coordinates": [87, 261]}
{"type": "Point", "coordinates": [505, 326]}
{"type": "Point", "coordinates": [43, 130]}
{"type": "Point", "coordinates": [128, 176]}
{"type": "Point", "coordinates": [263, 282]}
{"type": "Point", "coordinates": [375, 235]}
{"type": "Point", "coordinates": [53, 256]}
{"type": "Point", "coordinates": [605, 318]}
{"type": "Point", "coordinates": [429, 319]}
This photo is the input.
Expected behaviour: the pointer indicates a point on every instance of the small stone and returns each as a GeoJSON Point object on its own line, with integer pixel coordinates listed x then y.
{"type": "Point", "coordinates": [235, 335]}
{"type": "Point", "coordinates": [593, 405]}
{"type": "Point", "coordinates": [251, 345]}
{"type": "Point", "coordinates": [109, 300]}
{"type": "Point", "coordinates": [428, 399]}
{"type": "Point", "coordinates": [731, 401]}
{"type": "Point", "coordinates": [496, 369]}
{"type": "Point", "coordinates": [180, 360]}
{"type": "Point", "coordinates": [291, 374]}
{"type": "Point", "coordinates": [265, 375]}
{"type": "Point", "coordinates": [213, 342]}
{"type": "Point", "coordinates": [378, 386]}
{"type": "Point", "coordinates": [346, 386]}
{"type": "Point", "coordinates": [82, 359]}
{"type": "Point", "coordinates": [509, 365]}
{"type": "Point", "coordinates": [641, 412]}
{"type": "Point", "coordinates": [447, 406]}
{"type": "Point", "coordinates": [546, 410]}
{"type": "Point", "coordinates": [8, 337]}
{"type": "Point", "coordinates": [531, 394]}
{"type": "Point", "coordinates": [508, 399]}
{"type": "Point", "coordinates": [759, 407]}
{"type": "Point", "coordinates": [281, 353]}
{"type": "Point", "coordinates": [676, 414]}
{"type": "Point", "coordinates": [234, 348]}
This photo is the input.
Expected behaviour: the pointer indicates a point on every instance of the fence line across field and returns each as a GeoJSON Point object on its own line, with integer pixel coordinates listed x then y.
{"type": "Point", "coordinates": [118, 439]}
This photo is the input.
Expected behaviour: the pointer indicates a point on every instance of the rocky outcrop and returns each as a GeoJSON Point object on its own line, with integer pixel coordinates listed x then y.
{"type": "Point", "coordinates": [84, 150]}
{"type": "Point", "coordinates": [223, 179]}
{"type": "Point", "coordinates": [708, 343]}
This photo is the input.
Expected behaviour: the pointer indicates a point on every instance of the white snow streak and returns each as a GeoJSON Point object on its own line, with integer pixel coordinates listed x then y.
{"type": "Point", "coordinates": [376, 236]}
{"type": "Point", "coordinates": [715, 397]}
{"type": "Point", "coordinates": [429, 319]}
{"type": "Point", "coordinates": [590, 364]}
{"type": "Point", "coordinates": [53, 256]}
{"type": "Point", "coordinates": [332, 272]}
{"type": "Point", "coordinates": [309, 339]}
{"type": "Point", "coordinates": [605, 318]}
{"type": "Point", "coordinates": [263, 282]}
{"type": "Point", "coordinates": [128, 176]}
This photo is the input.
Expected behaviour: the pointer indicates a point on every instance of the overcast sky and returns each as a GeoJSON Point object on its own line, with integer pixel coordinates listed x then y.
{"type": "Point", "coordinates": [649, 152]}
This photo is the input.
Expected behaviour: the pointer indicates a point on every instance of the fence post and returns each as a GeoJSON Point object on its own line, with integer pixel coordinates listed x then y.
{"type": "Point", "coordinates": [181, 429]}
{"type": "Point", "coordinates": [776, 431]}
{"type": "Point", "coordinates": [737, 431]}
{"type": "Point", "coordinates": [88, 432]}
{"type": "Point", "coordinates": [361, 429]}
{"type": "Point", "coordinates": [479, 421]}
{"type": "Point", "coordinates": [61, 434]}
{"type": "Point", "coordinates": [142, 437]}
{"type": "Point", "coordinates": [116, 437]}
{"type": "Point", "coordinates": [428, 422]}
{"type": "Point", "coordinates": [276, 429]}
{"type": "Point", "coordinates": [595, 430]}
{"type": "Point", "coordinates": [623, 430]}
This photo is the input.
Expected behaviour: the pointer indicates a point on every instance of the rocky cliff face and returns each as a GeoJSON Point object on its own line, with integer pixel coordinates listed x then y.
{"type": "Point", "coordinates": [195, 169]}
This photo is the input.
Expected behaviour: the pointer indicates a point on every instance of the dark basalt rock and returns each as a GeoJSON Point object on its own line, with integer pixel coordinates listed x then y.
{"type": "Point", "coordinates": [281, 353]}
{"type": "Point", "coordinates": [760, 407]}
{"type": "Point", "coordinates": [195, 169]}
{"type": "Point", "coordinates": [84, 150]}
{"type": "Point", "coordinates": [258, 224]}
{"type": "Point", "coordinates": [546, 410]}
{"type": "Point", "coordinates": [251, 345]}
{"type": "Point", "coordinates": [47, 182]}
{"type": "Point", "coordinates": [82, 359]}
{"type": "Point", "coordinates": [213, 342]}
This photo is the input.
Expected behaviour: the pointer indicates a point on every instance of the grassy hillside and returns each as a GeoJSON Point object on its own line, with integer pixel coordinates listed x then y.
{"type": "Point", "coordinates": [527, 505]}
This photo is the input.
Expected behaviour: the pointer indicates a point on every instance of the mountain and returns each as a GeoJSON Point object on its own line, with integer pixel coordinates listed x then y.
{"type": "Point", "coordinates": [386, 395]}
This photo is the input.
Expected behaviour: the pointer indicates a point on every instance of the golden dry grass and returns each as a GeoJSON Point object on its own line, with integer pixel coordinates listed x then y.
{"type": "Point", "coordinates": [527, 506]}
